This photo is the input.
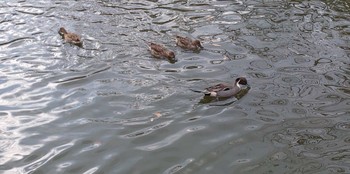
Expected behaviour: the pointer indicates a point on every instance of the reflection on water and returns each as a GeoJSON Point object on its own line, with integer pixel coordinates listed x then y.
{"type": "Point", "coordinates": [110, 107]}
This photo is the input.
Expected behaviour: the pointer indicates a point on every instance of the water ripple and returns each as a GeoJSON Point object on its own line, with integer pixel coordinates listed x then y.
{"type": "Point", "coordinates": [44, 159]}
{"type": "Point", "coordinates": [146, 131]}
{"type": "Point", "coordinates": [170, 140]}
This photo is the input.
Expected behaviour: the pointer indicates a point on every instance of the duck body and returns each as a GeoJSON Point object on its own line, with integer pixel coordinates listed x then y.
{"type": "Point", "coordinates": [160, 51]}
{"type": "Point", "coordinates": [187, 43]}
{"type": "Point", "coordinates": [70, 37]}
{"type": "Point", "coordinates": [224, 90]}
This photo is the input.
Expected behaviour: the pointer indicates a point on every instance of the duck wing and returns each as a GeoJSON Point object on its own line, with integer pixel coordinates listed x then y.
{"type": "Point", "coordinates": [72, 37]}
{"type": "Point", "coordinates": [219, 87]}
{"type": "Point", "coordinates": [183, 41]}
{"type": "Point", "coordinates": [156, 47]}
{"type": "Point", "coordinates": [157, 50]}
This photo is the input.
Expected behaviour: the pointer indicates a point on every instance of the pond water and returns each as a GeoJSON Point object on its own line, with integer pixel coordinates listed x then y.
{"type": "Point", "coordinates": [110, 107]}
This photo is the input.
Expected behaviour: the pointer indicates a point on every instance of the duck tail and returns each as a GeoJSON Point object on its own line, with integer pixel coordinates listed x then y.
{"type": "Point", "coordinates": [205, 92]}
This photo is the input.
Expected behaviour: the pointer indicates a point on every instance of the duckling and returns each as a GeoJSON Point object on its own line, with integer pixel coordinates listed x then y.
{"type": "Point", "coordinates": [70, 37]}
{"type": "Point", "coordinates": [187, 43]}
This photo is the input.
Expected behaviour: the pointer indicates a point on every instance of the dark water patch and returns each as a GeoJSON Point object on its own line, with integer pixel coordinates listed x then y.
{"type": "Point", "coordinates": [344, 91]}
{"type": "Point", "coordinates": [189, 67]}
{"type": "Point", "coordinates": [193, 119]}
{"type": "Point", "coordinates": [80, 77]}
{"type": "Point", "coordinates": [347, 140]}
{"type": "Point", "coordinates": [177, 167]}
{"type": "Point", "coordinates": [15, 42]}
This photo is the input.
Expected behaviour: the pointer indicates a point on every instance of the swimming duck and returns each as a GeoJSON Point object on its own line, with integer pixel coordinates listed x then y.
{"type": "Point", "coordinates": [187, 43]}
{"type": "Point", "coordinates": [70, 37]}
{"type": "Point", "coordinates": [226, 90]}
{"type": "Point", "coordinates": [160, 51]}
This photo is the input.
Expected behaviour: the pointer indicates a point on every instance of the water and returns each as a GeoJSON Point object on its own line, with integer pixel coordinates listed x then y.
{"type": "Point", "coordinates": [110, 107]}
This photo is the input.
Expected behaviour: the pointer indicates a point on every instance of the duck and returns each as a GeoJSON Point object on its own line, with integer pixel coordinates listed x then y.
{"type": "Point", "coordinates": [187, 43]}
{"type": "Point", "coordinates": [160, 51]}
{"type": "Point", "coordinates": [225, 90]}
{"type": "Point", "coordinates": [70, 37]}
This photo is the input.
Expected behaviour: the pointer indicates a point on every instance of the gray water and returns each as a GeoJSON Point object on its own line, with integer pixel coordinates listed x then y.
{"type": "Point", "coordinates": [110, 107]}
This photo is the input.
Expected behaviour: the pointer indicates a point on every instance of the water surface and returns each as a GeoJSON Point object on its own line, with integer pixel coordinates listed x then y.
{"type": "Point", "coordinates": [110, 107]}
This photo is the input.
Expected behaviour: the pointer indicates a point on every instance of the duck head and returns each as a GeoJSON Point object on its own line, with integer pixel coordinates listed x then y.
{"type": "Point", "coordinates": [197, 43]}
{"type": "Point", "coordinates": [62, 31]}
{"type": "Point", "coordinates": [241, 81]}
{"type": "Point", "coordinates": [170, 55]}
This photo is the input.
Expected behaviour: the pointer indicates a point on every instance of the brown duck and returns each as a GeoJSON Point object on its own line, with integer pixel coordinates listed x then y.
{"type": "Point", "coordinates": [160, 51]}
{"type": "Point", "coordinates": [70, 37]}
{"type": "Point", "coordinates": [187, 43]}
